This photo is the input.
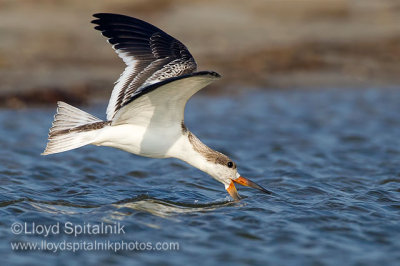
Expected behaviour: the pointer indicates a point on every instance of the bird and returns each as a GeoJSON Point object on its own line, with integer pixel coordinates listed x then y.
{"type": "Point", "coordinates": [145, 113]}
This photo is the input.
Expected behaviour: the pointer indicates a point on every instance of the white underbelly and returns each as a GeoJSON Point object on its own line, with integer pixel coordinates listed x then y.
{"type": "Point", "coordinates": [150, 142]}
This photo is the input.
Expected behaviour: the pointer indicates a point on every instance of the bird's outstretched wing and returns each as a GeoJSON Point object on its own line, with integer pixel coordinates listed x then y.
{"type": "Point", "coordinates": [150, 54]}
{"type": "Point", "coordinates": [161, 105]}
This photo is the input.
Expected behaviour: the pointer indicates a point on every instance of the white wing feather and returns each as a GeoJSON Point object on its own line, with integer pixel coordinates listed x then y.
{"type": "Point", "coordinates": [163, 106]}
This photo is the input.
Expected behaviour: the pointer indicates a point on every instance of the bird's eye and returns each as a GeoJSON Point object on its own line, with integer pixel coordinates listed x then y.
{"type": "Point", "coordinates": [230, 164]}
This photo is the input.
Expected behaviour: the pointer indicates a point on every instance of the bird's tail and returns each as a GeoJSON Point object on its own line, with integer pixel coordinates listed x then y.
{"type": "Point", "coordinates": [72, 128]}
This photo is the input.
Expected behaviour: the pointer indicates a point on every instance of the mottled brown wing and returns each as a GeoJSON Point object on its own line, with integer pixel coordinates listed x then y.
{"type": "Point", "coordinates": [151, 56]}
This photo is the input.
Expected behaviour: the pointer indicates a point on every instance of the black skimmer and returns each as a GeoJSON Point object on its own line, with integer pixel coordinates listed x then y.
{"type": "Point", "coordinates": [145, 114]}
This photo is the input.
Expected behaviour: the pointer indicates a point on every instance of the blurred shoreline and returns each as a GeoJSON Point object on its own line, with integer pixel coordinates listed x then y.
{"type": "Point", "coordinates": [49, 51]}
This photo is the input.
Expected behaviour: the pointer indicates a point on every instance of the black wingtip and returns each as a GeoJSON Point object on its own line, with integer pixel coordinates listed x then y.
{"type": "Point", "coordinates": [98, 17]}
{"type": "Point", "coordinates": [113, 16]}
{"type": "Point", "coordinates": [215, 74]}
{"type": "Point", "coordinates": [103, 15]}
{"type": "Point", "coordinates": [206, 73]}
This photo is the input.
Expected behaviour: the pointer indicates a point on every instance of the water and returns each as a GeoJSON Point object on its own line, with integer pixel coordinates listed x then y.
{"type": "Point", "coordinates": [332, 159]}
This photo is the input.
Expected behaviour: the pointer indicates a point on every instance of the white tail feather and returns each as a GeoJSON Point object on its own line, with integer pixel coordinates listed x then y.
{"type": "Point", "coordinates": [72, 128]}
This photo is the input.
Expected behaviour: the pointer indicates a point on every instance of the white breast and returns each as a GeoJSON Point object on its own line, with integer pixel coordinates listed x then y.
{"type": "Point", "coordinates": [144, 141]}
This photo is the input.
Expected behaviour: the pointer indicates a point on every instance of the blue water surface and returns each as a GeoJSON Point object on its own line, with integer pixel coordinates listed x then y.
{"type": "Point", "coordinates": [332, 159]}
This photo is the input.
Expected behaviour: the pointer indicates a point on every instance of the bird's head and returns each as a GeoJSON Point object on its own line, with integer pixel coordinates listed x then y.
{"type": "Point", "coordinates": [225, 171]}
{"type": "Point", "coordinates": [219, 166]}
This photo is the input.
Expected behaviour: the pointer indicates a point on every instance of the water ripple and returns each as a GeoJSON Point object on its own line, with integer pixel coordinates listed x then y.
{"type": "Point", "coordinates": [331, 158]}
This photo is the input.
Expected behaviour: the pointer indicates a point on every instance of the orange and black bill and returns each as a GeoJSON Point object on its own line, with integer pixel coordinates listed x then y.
{"type": "Point", "coordinates": [248, 183]}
